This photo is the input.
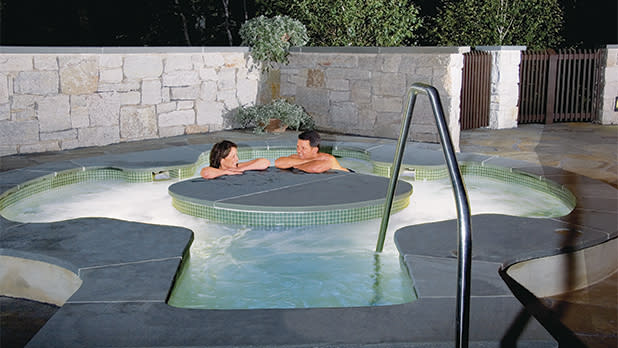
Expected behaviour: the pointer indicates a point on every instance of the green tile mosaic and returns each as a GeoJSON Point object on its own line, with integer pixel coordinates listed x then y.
{"type": "Point", "coordinates": [351, 153]}
{"type": "Point", "coordinates": [421, 172]}
{"type": "Point", "coordinates": [349, 214]}
{"type": "Point", "coordinates": [503, 174]}
{"type": "Point", "coordinates": [286, 218]}
{"type": "Point", "coordinates": [69, 177]}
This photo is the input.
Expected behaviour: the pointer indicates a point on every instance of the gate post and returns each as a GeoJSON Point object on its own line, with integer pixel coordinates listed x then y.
{"type": "Point", "coordinates": [503, 107]}
{"type": "Point", "coordinates": [609, 91]}
{"type": "Point", "coordinates": [551, 88]}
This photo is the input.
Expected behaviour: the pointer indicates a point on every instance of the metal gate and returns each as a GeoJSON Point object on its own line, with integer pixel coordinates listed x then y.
{"type": "Point", "coordinates": [559, 87]}
{"type": "Point", "coordinates": [475, 90]}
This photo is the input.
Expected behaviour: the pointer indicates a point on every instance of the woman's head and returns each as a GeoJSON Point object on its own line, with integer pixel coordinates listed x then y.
{"type": "Point", "coordinates": [224, 153]}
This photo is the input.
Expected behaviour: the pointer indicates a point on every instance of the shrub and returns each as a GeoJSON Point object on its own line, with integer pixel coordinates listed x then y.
{"type": "Point", "coordinates": [270, 39]}
{"type": "Point", "coordinates": [354, 23]}
{"type": "Point", "coordinates": [259, 116]}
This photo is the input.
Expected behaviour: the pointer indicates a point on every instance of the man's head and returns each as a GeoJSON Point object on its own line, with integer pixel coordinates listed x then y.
{"type": "Point", "coordinates": [308, 144]}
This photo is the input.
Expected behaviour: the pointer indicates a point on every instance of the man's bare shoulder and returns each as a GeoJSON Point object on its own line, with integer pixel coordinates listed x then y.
{"type": "Point", "coordinates": [325, 156]}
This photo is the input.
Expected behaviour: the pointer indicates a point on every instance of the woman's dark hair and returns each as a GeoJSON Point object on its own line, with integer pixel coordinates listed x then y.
{"type": "Point", "coordinates": [313, 137]}
{"type": "Point", "coordinates": [220, 151]}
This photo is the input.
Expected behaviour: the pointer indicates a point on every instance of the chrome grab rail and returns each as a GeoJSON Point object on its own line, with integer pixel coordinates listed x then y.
{"type": "Point", "coordinates": [464, 242]}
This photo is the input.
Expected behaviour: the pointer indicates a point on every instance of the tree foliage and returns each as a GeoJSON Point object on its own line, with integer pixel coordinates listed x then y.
{"type": "Point", "coordinates": [533, 23]}
{"type": "Point", "coordinates": [352, 22]}
{"type": "Point", "coordinates": [200, 22]}
{"type": "Point", "coordinates": [271, 38]}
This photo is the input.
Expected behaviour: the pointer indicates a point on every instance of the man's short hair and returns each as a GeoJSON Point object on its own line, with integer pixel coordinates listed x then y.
{"type": "Point", "coordinates": [313, 137]}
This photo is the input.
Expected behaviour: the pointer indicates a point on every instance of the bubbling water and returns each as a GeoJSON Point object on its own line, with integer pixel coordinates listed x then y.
{"type": "Point", "coordinates": [232, 266]}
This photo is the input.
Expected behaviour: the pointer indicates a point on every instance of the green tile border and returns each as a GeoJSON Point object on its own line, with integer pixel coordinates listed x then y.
{"type": "Point", "coordinates": [508, 175]}
{"type": "Point", "coordinates": [282, 217]}
{"type": "Point", "coordinates": [236, 215]}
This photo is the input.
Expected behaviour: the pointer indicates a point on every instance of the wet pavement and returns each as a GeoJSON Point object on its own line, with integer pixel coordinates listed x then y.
{"type": "Point", "coordinates": [582, 148]}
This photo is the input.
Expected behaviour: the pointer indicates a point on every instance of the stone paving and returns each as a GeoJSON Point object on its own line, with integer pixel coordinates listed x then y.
{"type": "Point", "coordinates": [584, 149]}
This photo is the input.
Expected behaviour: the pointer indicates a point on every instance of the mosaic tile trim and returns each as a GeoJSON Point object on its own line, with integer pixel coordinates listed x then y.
{"type": "Point", "coordinates": [421, 172]}
{"type": "Point", "coordinates": [245, 154]}
{"type": "Point", "coordinates": [410, 172]}
{"type": "Point", "coordinates": [351, 153]}
{"type": "Point", "coordinates": [503, 174]}
{"type": "Point", "coordinates": [75, 176]}
{"type": "Point", "coordinates": [286, 218]}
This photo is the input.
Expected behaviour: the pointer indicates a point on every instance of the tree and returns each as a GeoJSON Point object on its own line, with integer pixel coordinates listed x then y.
{"type": "Point", "coordinates": [352, 22]}
{"type": "Point", "coordinates": [533, 23]}
{"type": "Point", "coordinates": [205, 22]}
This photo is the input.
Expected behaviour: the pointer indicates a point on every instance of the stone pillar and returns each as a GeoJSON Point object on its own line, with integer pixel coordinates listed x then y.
{"type": "Point", "coordinates": [608, 113]}
{"type": "Point", "coordinates": [453, 85]}
{"type": "Point", "coordinates": [503, 107]}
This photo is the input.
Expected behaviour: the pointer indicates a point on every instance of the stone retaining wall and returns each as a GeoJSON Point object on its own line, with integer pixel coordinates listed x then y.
{"type": "Point", "coordinates": [61, 98]}
{"type": "Point", "coordinates": [68, 98]}
{"type": "Point", "coordinates": [363, 91]}
{"type": "Point", "coordinates": [57, 98]}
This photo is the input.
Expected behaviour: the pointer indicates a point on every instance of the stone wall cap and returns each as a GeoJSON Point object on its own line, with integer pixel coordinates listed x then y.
{"type": "Point", "coordinates": [383, 50]}
{"type": "Point", "coordinates": [118, 50]}
{"type": "Point", "coordinates": [500, 48]}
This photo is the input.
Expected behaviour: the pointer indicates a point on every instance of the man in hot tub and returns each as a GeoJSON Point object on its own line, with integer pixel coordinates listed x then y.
{"type": "Point", "coordinates": [308, 157]}
{"type": "Point", "coordinates": [224, 161]}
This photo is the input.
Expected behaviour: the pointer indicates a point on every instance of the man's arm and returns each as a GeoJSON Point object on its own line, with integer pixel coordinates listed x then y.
{"type": "Point", "coordinates": [289, 162]}
{"type": "Point", "coordinates": [256, 164]}
{"type": "Point", "coordinates": [323, 163]}
{"type": "Point", "coordinates": [320, 164]}
{"type": "Point", "coordinates": [315, 166]}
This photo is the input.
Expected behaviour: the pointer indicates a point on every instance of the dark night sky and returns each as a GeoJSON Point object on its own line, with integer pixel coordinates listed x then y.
{"type": "Point", "coordinates": [590, 23]}
{"type": "Point", "coordinates": [96, 23]}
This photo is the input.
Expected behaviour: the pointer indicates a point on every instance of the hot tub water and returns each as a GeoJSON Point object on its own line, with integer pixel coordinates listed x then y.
{"type": "Point", "coordinates": [235, 266]}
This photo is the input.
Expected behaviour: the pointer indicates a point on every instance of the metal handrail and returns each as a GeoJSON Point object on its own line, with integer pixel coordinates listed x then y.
{"type": "Point", "coordinates": [464, 242]}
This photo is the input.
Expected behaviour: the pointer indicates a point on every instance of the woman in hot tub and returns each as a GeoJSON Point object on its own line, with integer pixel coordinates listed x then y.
{"type": "Point", "coordinates": [224, 161]}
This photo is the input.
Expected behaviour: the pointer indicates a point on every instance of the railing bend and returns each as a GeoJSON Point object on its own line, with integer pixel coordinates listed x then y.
{"type": "Point", "coordinates": [464, 243]}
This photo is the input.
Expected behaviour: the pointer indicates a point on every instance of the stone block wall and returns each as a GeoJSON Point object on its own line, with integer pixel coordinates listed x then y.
{"type": "Point", "coordinates": [60, 98]}
{"type": "Point", "coordinates": [609, 115]}
{"type": "Point", "coordinates": [69, 98]}
{"type": "Point", "coordinates": [364, 91]}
